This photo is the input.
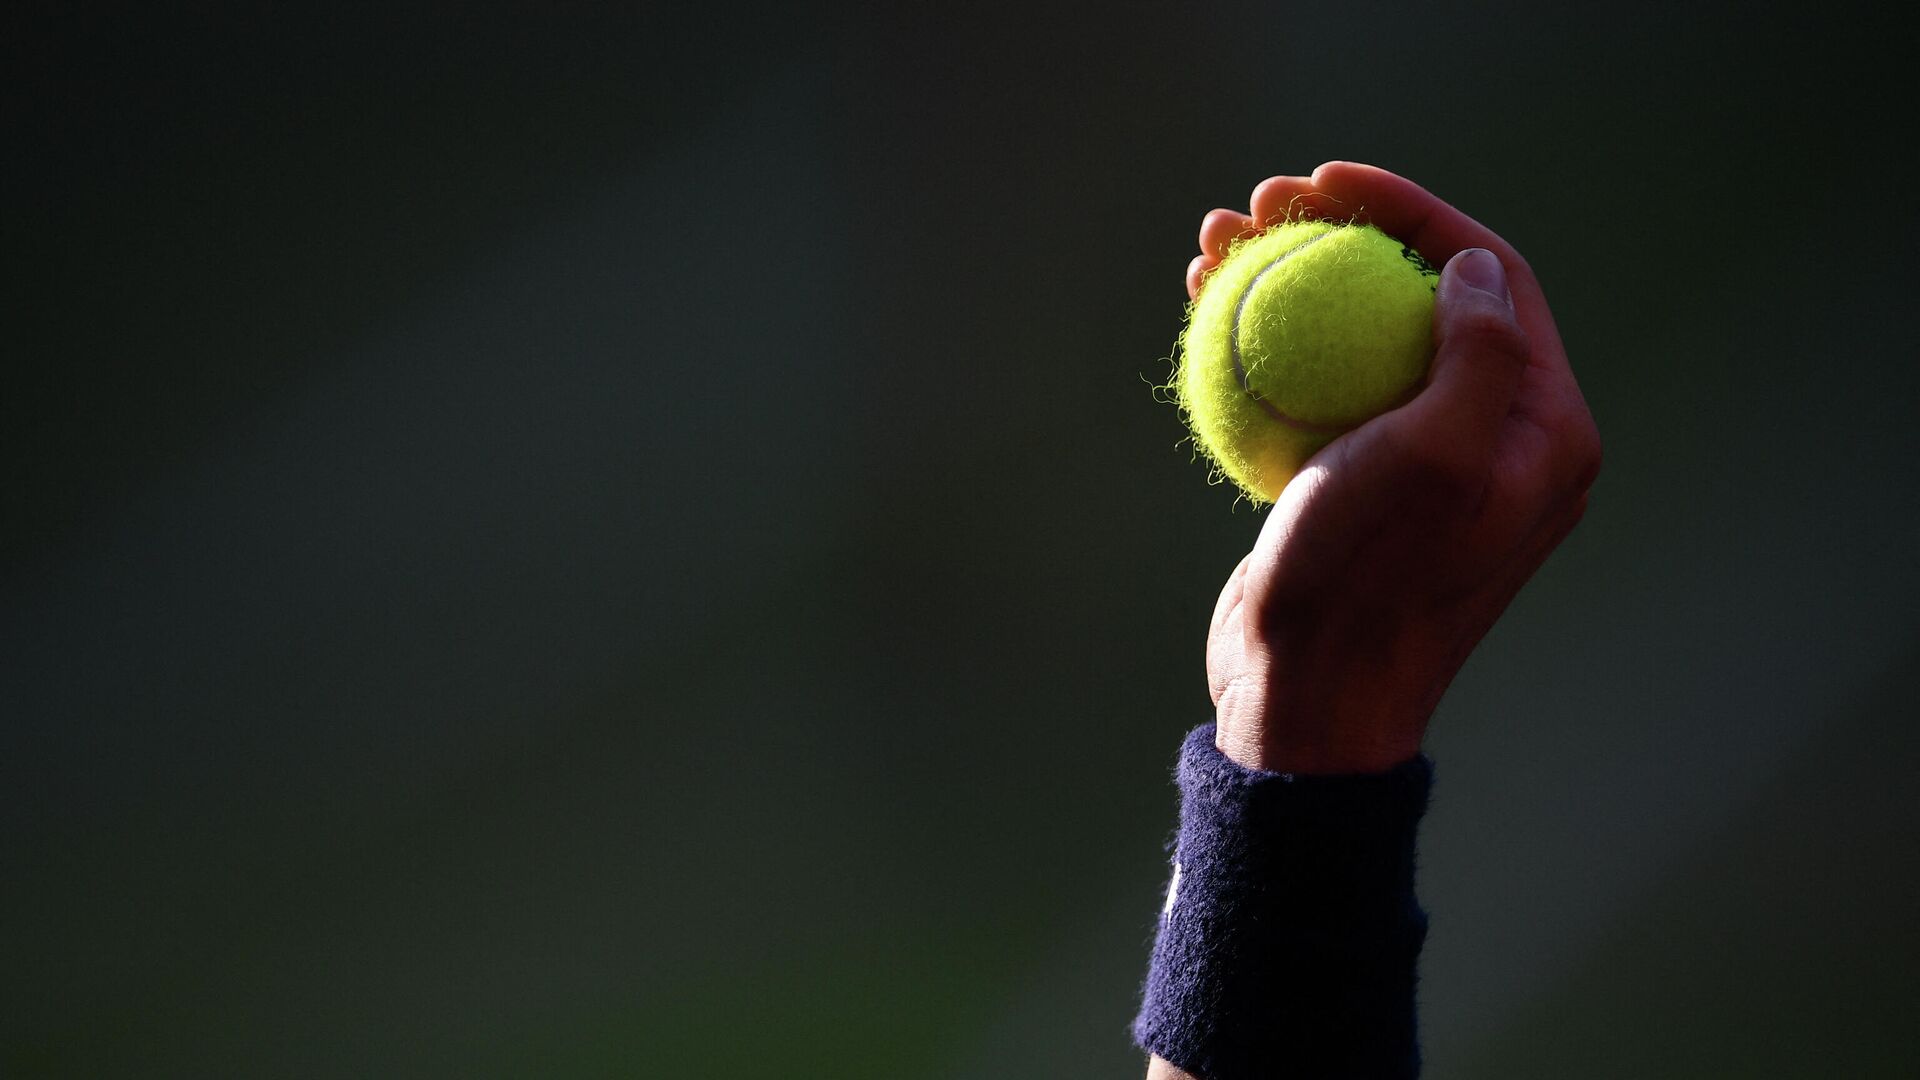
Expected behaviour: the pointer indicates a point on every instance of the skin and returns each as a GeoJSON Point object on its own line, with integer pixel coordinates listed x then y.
{"type": "Point", "coordinates": [1393, 552]}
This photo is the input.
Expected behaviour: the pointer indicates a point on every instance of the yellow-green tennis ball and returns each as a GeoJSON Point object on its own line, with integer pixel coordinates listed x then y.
{"type": "Point", "coordinates": [1306, 331]}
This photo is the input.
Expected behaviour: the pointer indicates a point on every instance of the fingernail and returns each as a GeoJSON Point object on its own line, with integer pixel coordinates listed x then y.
{"type": "Point", "coordinates": [1480, 269]}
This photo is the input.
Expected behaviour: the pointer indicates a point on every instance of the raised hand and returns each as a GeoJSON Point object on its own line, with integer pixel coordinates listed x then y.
{"type": "Point", "coordinates": [1387, 559]}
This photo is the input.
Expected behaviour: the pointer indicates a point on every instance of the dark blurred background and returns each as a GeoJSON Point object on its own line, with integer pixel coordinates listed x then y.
{"type": "Point", "coordinates": [639, 541]}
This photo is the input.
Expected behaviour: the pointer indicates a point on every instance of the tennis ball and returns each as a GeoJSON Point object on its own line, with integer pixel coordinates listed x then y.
{"type": "Point", "coordinates": [1303, 332]}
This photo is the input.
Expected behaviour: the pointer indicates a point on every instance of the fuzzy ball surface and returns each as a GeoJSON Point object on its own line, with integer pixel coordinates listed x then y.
{"type": "Point", "coordinates": [1303, 332]}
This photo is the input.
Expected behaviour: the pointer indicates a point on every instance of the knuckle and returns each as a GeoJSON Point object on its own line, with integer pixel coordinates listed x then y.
{"type": "Point", "coordinates": [1486, 328]}
{"type": "Point", "coordinates": [1583, 454]}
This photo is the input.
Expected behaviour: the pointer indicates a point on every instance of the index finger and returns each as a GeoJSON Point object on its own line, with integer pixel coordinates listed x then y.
{"type": "Point", "coordinates": [1416, 216]}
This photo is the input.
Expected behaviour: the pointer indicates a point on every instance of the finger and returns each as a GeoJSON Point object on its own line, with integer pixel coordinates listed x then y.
{"type": "Point", "coordinates": [1287, 198]}
{"type": "Point", "coordinates": [1480, 351]}
{"type": "Point", "coordinates": [1220, 228]}
{"type": "Point", "coordinates": [1197, 274]}
{"type": "Point", "coordinates": [1438, 231]}
{"type": "Point", "coordinates": [1405, 209]}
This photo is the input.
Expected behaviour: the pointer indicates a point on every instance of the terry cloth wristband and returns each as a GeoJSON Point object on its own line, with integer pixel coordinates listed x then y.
{"type": "Point", "coordinates": [1288, 943]}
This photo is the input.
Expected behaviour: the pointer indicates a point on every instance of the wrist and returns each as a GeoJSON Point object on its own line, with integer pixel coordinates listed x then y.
{"type": "Point", "coordinates": [1327, 715]}
{"type": "Point", "coordinates": [1282, 752]}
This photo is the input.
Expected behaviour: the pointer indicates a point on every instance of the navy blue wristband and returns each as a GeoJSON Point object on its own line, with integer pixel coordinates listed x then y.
{"type": "Point", "coordinates": [1290, 937]}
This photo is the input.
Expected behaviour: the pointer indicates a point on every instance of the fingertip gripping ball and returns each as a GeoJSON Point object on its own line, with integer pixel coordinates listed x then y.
{"type": "Point", "coordinates": [1303, 332]}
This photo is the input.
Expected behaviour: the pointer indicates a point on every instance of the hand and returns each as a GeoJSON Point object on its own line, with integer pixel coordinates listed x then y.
{"type": "Point", "coordinates": [1391, 554]}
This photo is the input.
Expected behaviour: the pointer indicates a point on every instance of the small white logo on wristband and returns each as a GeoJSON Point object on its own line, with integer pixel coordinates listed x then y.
{"type": "Point", "coordinates": [1173, 891]}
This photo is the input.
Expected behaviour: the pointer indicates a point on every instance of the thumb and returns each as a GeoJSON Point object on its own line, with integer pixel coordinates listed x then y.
{"type": "Point", "coordinates": [1478, 356]}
